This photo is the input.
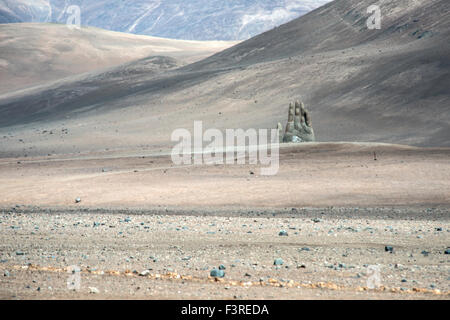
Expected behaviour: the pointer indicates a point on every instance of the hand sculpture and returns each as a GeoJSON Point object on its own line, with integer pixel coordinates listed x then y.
{"type": "Point", "coordinates": [299, 126]}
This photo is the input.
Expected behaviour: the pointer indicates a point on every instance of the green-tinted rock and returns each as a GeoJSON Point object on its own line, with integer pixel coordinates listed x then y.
{"type": "Point", "coordinates": [216, 273]}
{"type": "Point", "coordinates": [278, 262]}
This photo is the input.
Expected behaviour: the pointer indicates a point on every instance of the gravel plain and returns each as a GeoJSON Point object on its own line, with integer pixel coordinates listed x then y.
{"type": "Point", "coordinates": [326, 254]}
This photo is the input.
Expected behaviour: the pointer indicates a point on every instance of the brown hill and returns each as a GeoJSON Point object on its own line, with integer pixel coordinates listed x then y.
{"type": "Point", "coordinates": [388, 85]}
{"type": "Point", "coordinates": [35, 53]}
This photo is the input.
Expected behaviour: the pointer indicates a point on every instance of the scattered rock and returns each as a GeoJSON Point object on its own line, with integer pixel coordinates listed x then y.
{"type": "Point", "coordinates": [447, 251]}
{"type": "Point", "coordinates": [389, 249]}
{"type": "Point", "coordinates": [351, 229]}
{"type": "Point", "coordinates": [144, 273]}
{"type": "Point", "coordinates": [93, 290]}
{"type": "Point", "coordinates": [278, 262]}
{"type": "Point", "coordinates": [283, 233]}
{"type": "Point", "coordinates": [316, 220]}
{"type": "Point", "coordinates": [77, 200]}
{"type": "Point", "coordinates": [216, 273]}
{"type": "Point", "coordinates": [222, 267]}
{"type": "Point", "coordinates": [20, 253]}
{"type": "Point", "coordinates": [6, 273]}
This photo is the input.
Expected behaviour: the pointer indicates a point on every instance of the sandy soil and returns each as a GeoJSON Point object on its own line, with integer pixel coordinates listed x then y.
{"type": "Point", "coordinates": [33, 54]}
{"type": "Point", "coordinates": [311, 175]}
{"type": "Point", "coordinates": [339, 206]}
{"type": "Point", "coordinates": [104, 137]}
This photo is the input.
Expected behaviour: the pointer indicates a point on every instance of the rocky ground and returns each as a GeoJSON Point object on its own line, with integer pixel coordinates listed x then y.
{"type": "Point", "coordinates": [321, 253]}
{"type": "Point", "coordinates": [86, 176]}
{"type": "Point", "coordinates": [139, 227]}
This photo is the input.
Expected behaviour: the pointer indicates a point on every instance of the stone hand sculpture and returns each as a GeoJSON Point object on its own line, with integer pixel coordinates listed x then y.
{"type": "Point", "coordinates": [299, 126]}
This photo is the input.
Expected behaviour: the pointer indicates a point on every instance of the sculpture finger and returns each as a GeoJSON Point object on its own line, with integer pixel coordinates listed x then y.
{"type": "Point", "coordinates": [302, 113]}
{"type": "Point", "coordinates": [297, 116]}
{"type": "Point", "coordinates": [290, 124]}
{"type": "Point", "coordinates": [280, 132]}
{"type": "Point", "coordinates": [308, 118]}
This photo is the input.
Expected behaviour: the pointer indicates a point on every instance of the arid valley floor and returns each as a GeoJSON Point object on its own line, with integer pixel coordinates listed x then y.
{"type": "Point", "coordinates": [87, 180]}
{"type": "Point", "coordinates": [339, 211]}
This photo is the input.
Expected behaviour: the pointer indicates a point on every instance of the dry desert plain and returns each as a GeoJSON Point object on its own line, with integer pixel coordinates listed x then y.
{"type": "Point", "coordinates": [340, 211]}
{"type": "Point", "coordinates": [88, 115]}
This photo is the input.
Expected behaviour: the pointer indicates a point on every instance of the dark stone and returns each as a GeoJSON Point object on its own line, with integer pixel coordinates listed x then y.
{"type": "Point", "coordinates": [216, 273]}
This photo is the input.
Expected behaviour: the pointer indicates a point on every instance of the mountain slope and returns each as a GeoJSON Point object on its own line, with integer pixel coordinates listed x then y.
{"type": "Point", "coordinates": [340, 25]}
{"type": "Point", "coordinates": [190, 20]}
{"type": "Point", "coordinates": [389, 85]}
{"type": "Point", "coordinates": [34, 53]}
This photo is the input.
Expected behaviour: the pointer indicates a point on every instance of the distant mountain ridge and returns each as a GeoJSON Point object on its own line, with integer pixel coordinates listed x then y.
{"type": "Point", "coordinates": [387, 85]}
{"type": "Point", "coordinates": [176, 19]}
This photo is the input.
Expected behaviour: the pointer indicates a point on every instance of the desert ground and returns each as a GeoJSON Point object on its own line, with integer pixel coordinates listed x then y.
{"type": "Point", "coordinates": [34, 54]}
{"type": "Point", "coordinates": [339, 211]}
{"type": "Point", "coordinates": [87, 180]}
